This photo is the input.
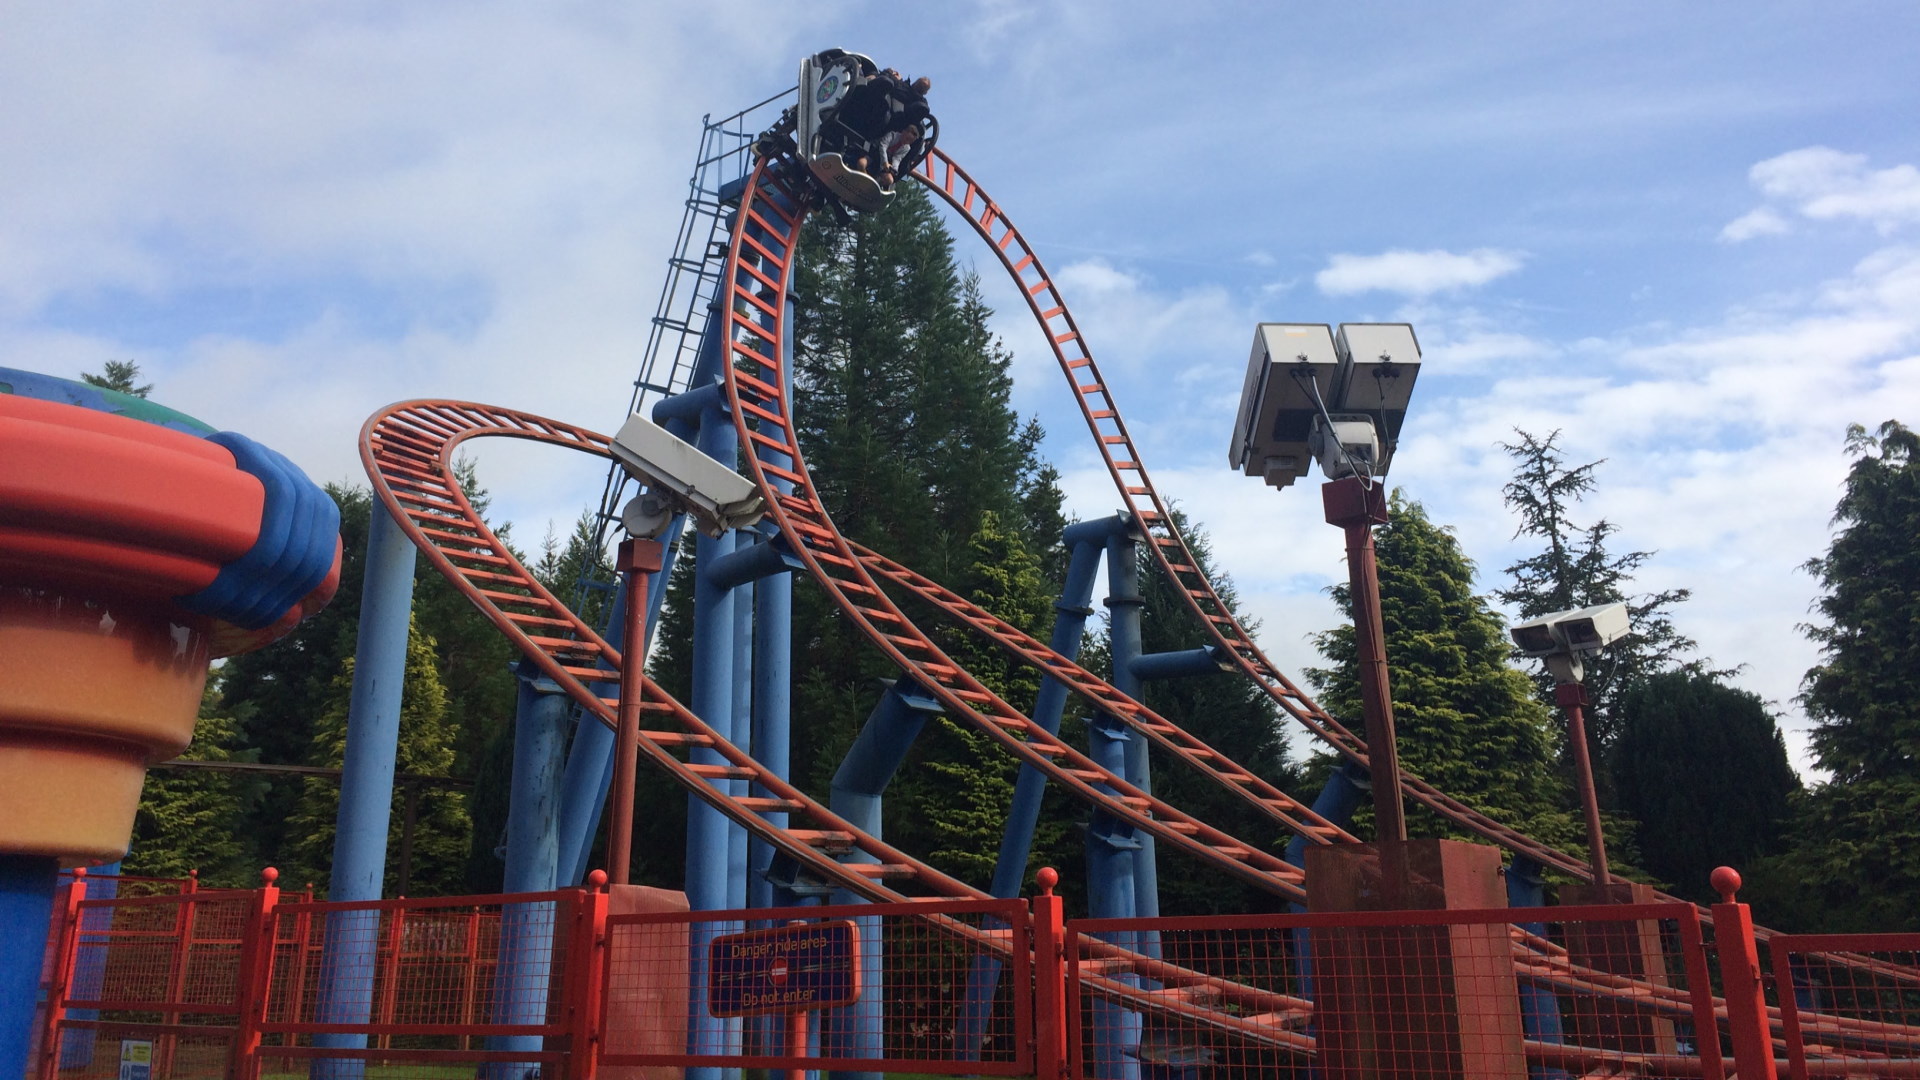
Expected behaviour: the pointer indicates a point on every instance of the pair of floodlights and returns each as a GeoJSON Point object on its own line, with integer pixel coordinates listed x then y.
{"type": "Point", "coordinates": [1314, 394]}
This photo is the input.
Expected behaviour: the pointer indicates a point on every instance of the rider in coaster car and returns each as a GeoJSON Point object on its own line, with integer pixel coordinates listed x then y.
{"type": "Point", "coordinates": [902, 144]}
{"type": "Point", "coordinates": [862, 118]}
{"type": "Point", "coordinates": [906, 124]}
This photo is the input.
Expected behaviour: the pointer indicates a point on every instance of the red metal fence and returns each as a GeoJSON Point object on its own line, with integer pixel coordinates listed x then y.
{"type": "Point", "coordinates": [872, 987]}
{"type": "Point", "coordinates": [239, 984]}
{"type": "Point", "coordinates": [161, 971]}
{"type": "Point", "coordinates": [1615, 990]}
{"type": "Point", "coordinates": [1849, 1004]}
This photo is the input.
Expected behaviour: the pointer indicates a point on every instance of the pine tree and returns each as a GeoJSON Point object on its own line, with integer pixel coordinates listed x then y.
{"type": "Point", "coordinates": [190, 819]}
{"type": "Point", "coordinates": [1466, 721]}
{"type": "Point", "coordinates": [1229, 713]}
{"type": "Point", "coordinates": [441, 831]}
{"type": "Point", "coordinates": [1703, 768]}
{"type": "Point", "coordinates": [902, 413]}
{"type": "Point", "coordinates": [902, 409]}
{"type": "Point", "coordinates": [1576, 570]}
{"type": "Point", "coordinates": [1857, 840]}
{"type": "Point", "coordinates": [122, 376]}
{"type": "Point", "coordinates": [960, 799]}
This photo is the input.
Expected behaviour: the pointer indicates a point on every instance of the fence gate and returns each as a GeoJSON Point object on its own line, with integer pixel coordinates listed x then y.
{"type": "Point", "coordinates": [924, 987]}
{"type": "Point", "coordinates": [156, 982]}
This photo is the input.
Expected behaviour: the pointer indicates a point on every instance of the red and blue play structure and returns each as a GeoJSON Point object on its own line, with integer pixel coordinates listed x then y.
{"type": "Point", "coordinates": [136, 545]}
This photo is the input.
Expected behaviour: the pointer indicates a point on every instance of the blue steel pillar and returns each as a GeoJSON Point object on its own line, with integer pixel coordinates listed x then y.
{"type": "Point", "coordinates": [26, 909]}
{"type": "Point", "coordinates": [1120, 871]}
{"type": "Point", "coordinates": [90, 965]}
{"type": "Point", "coordinates": [366, 790]}
{"type": "Point", "coordinates": [740, 728]}
{"type": "Point", "coordinates": [1124, 605]}
{"type": "Point", "coordinates": [589, 768]}
{"type": "Point", "coordinates": [533, 853]}
{"type": "Point", "coordinates": [857, 1031]}
{"type": "Point", "coordinates": [1539, 1008]}
{"type": "Point", "coordinates": [1085, 541]}
{"type": "Point", "coordinates": [773, 664]}
{"type": "Point", "coordinates": [710, 878]}
{"type": "Point", "coordinates": [1339, 797]}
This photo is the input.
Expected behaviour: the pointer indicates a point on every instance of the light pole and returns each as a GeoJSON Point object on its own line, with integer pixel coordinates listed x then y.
{"type": "Point", "coordinates": [1562, 639]}
{"type": "Point", "coordinates": [1312, 395]}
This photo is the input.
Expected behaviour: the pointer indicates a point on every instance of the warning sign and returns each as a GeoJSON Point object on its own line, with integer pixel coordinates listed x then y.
{"type": "Point", "coordinates": [784, 969]}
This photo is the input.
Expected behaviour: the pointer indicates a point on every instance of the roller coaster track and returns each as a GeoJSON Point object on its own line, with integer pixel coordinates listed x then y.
{"type": "Point", "coordinates": [408, 450]}
{"type": "Point", "coordinates": [1152, 517]}
{"type": "Point", "coordinates": [762, 249]}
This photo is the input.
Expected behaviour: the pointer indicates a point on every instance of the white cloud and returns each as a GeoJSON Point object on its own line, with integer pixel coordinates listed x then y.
{"type": "Point", "coordinates": [1761, 221]}
{"type": "Point", "coordinates": [1824, 184]}
{"type": "Point", "coordinates": [1415, 273]}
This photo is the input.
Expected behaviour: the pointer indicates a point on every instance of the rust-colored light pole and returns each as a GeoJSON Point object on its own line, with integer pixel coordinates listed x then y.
{"type": "Point", "coordinates": [1572, 697]}
{"type": "Point", "coordinates": [638, 558]}
{"type": "Point", "coordinates": [1356, 504]}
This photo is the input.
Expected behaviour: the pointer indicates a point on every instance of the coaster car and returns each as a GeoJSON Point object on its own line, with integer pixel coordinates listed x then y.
{"type": "Point", "coordinates": [846, 115]}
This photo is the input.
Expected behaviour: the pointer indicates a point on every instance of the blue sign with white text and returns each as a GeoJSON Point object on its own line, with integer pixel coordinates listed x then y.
{"type": "Point", "coordinates": [785, 969]}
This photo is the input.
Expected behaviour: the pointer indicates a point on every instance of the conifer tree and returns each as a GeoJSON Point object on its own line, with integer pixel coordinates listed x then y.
{"type": "Point", "coordinates": [1229, 713]}
{"type": "Point", "coordinates": [1857, 839]}
{"type": "Point", "coordinates": [119, 375]}
{"type": "Point", "coordinates": [1466, 721]}
{"type": "Point", "coordinates": [1575, 569]}
{"type": "Point", "coordinates": [903, 412]}
{"type": "Point", "coordinates": [441, 830]}
{"type": "Point", "coordinates": [191, 819]}
{"type": "Point", "coordinates": [1703, 768]}
{"type": "Point", "coordinates": [901, 409]}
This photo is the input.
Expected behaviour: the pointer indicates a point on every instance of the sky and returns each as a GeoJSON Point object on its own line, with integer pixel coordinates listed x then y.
{"type": "Point", "coordinates": [1684, 236]}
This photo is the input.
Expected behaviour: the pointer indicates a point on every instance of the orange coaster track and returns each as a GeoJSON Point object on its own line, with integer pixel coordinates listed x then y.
{"type": "Point", "coordinates": [754, 297]}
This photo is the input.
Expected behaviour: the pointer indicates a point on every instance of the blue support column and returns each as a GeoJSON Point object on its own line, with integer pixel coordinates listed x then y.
{"type": "Point", "coordinates": [26, 910]}
{"type": "Point", "coordinates": [1085, 541]}
{"type": "Point", "coordinates": [710, 836]}
{"type": "Point", "coordinates": [772, 708]}
{"type": "Point", "coordinates": [1539, 1008]}
{"type": "Point", "coordinates": [1339, 797]}
{"type": "Point", "coordinates": [533, 852]}
{"type": "Point", "coordinates": [1124, 605]}
{"type": "Point", "coordinates": [707, 828]}
{"type": "Point", "coordinates": [589, 768]}
{"type": "Point", "coordinates": [740, 729]}
{"type": "Point", "coordinates": [1121, 882]}
{"type": "Point", "coordinates": [90, 966]}
{"type": "Point", "coordinates": [858, 787]}
{"type": "Point", "coordinates": [345, 993]}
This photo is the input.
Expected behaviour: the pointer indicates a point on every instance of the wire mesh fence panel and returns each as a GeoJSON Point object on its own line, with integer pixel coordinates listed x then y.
{"type": "Point", "coordinates": [931, 987]}
{"type": "Point", "coordinates": [1496, 994]}
{"type": "Point", "coordinates": [1849, 1004]}
{"type": "Point", "coordinates": [152, 980]}
{"type": "Point", "coordinates": [424, 986]}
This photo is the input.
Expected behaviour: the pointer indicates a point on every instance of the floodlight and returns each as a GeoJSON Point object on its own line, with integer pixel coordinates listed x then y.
{"type": "Point", "coordinates": [1290, 379]}
{"type": "Point", "coordinates": [1591, 628]}
{"type": "Point", "coordinates": [1581, 630]}
{"type": "Point", "coordinates": [1535, 638]}
{"type": "Point", "coordinates": [678, 472]}
{"type": "Point", "coordinates": [1378, 365]}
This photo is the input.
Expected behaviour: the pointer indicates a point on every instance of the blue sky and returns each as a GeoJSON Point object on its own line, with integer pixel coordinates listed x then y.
{"type": "Point", "coordinates": [1687, 236]}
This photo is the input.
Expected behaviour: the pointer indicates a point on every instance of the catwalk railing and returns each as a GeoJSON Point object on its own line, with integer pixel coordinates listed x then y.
{"type": "Point", "coordinates": [243, 984]}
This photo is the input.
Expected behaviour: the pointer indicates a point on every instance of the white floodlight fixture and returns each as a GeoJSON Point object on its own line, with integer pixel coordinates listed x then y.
{"type": "Point", "coordinates": [1564, 636]}
{"type": "Point", "coordinates": [1378, 365]}
{"type": "Point", "coordinates": [1313, 395]}
{"type": "Point", "coordinates": [1586, 629]}
{"type": "Point", "coordinates": [679, 477]}
{"type": "Point", "coordinates": [1290, 378]}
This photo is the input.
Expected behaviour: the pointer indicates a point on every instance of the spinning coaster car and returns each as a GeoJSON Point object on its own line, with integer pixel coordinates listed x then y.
{"type": "Point", "coordinates": [849, 109]}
